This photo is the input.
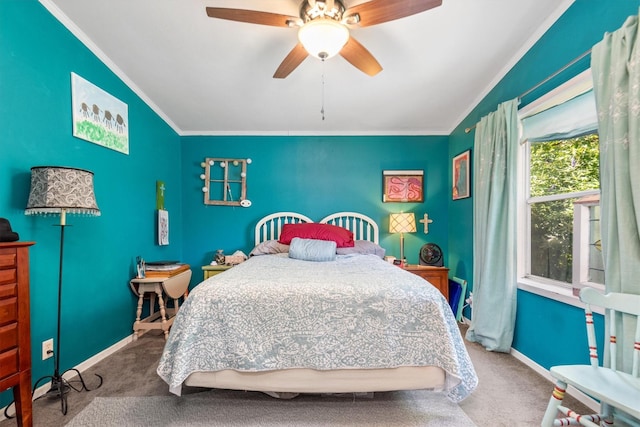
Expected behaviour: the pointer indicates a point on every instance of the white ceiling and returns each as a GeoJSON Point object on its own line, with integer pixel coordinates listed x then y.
{"type": "Point", "coordinates": [207, 76]}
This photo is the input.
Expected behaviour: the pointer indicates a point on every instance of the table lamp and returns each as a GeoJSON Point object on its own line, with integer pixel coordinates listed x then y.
{"type": "Point", "coordinates": [402, 223]}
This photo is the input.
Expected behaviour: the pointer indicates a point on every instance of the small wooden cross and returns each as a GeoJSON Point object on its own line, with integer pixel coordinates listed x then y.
{"type": "Point", "coordinates": [426, 221]}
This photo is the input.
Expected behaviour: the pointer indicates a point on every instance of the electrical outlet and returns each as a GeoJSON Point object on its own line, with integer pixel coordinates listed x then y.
{"type": "Point", "coordinates": [47, 349]}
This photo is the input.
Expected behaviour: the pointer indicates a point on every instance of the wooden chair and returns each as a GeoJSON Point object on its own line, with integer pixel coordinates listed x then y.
{"type": "Point", "coordinates": [613, 388]}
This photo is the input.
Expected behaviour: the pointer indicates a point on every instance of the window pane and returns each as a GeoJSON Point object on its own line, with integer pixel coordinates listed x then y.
{"type": "Point", "coordinates": [566, 166]}
{"type": "Point", "coordinates": [552, 239]}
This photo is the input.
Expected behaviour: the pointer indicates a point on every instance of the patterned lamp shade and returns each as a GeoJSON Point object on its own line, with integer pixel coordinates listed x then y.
{"type": "Point", "coordinates": [60, 190]}
{"type": "Point", "coordinates": [402, 223]}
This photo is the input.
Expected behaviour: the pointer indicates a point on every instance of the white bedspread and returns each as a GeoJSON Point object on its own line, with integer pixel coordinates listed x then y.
{"type": "Point", "coordinates": [273, 312]}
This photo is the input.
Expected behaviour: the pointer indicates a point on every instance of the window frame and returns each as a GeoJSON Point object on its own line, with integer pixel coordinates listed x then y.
{"type": "Point", "coordinates": [579, 223]}
{"type": "Point", "coordinates": [581, 228]}
{"type": "Point", "coordinates": [559, 291]}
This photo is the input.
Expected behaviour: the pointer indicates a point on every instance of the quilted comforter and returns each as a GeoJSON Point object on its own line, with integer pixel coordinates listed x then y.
{"type": "Point", "coordinates": [274, 312]}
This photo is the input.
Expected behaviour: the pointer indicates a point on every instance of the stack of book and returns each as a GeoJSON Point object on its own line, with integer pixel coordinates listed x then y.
{"type": "Point", "coordinates": [164, 268]}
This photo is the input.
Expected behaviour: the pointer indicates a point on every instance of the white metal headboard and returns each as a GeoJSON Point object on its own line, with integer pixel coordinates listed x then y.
{"type": "Point", "coordinates": [362, 227]}
{"type": "Point", "coordinates": [269, 227]}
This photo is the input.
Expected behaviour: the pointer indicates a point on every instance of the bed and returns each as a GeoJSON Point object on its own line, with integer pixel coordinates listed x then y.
{"type": "Point", "coordinates": [286, 325]}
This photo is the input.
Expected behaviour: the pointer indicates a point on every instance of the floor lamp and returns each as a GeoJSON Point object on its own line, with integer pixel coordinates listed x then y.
{"type": "Point", "coordinates": [402, 223]}
{"type": "Point", "coordinates": [61, 191]}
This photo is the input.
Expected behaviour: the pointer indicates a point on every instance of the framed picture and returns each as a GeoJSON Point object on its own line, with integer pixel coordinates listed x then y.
{"type": "Point", "coordinates": [163, 227]}
{"type": "Point", "coordinates": [99, 117]}
{"type": "Point", "coordinates": [461, 168]}
{"type": "Point", "coordinates": [403, 186]}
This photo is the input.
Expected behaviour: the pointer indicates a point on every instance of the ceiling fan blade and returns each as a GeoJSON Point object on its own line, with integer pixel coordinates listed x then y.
{"type": "Point", "coordinates": [379, 11]}
{"type": "Point", "coordinates": [360, 57]}
{"type": "Point", "coordinates": [291, 62]}
{"type": "Point", "coordinates": [253, 16]}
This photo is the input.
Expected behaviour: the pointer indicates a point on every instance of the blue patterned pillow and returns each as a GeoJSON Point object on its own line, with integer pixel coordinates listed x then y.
{"type": "Point", "coordinates": [312, 250]}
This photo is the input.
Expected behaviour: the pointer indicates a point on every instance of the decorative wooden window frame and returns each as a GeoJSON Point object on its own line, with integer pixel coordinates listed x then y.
{"type": "Point", "coordinates": [224, 185]}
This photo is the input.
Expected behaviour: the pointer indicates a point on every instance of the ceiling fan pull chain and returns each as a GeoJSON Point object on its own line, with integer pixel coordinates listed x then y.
{"type": "Point", "coordinates": [322, 109]}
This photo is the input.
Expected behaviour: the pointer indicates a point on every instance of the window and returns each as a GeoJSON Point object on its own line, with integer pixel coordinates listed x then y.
{"type": "Point", "coordinates": [563, 209]}
{"type": "Point", "coordinates": [559, 246]}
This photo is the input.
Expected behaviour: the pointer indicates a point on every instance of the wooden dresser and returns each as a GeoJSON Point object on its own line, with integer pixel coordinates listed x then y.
{"type": "Point", "coordinates": [437, 276]}
{"type": "Point", "coordinates": [15, 330]}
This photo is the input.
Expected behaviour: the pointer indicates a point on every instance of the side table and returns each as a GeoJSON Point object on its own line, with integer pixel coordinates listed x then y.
{"type": "Point", "coordinates": [437, 276]}
{"type": "Point", "coordinates": [212, 270]}
{"type": "Point", "coordinates": [174, 287]}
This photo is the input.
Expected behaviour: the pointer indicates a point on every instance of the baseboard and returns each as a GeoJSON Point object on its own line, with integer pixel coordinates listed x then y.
{"type": "Point", "coordinates": [578, 395]}
{"type": "Point", "coordinates": [81, 367]}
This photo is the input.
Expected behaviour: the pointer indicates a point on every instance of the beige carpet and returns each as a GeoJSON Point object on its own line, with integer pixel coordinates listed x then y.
{"type": "Point", "coordinates": [235, 408]}
{"type": "Point", "coordinates": [509, 393]}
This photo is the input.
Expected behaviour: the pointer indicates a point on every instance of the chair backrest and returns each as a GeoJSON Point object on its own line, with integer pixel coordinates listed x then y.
{"type": "Point", "coordinates": [615, 304]}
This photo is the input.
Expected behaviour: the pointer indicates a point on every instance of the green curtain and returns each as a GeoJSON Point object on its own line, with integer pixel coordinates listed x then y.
{"type": "Point", "coordinates": [615, 63]}
{"type": "Point", "coordinates": [494, 223]}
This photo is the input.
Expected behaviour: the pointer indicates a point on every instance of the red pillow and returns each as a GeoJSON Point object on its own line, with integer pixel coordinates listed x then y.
{"type": "Point", "coordinates": [313, 230]}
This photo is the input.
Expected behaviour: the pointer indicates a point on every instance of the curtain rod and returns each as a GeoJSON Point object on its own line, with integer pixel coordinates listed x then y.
{"type": "Point", "coordinates": [528, 91]}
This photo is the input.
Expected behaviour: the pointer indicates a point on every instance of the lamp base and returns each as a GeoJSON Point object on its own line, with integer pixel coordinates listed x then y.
{"type": "Point", "coordinates": [60, 387]}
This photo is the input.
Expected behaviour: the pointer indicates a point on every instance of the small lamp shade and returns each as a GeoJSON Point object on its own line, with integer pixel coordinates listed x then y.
{"type": "Point", "coordinates": [60, 190]}
{"type": "Point", "coordinates": [402, 223]}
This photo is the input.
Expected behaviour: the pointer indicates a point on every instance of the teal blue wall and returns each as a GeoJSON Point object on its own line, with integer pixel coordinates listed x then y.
{"type": "Point", "coordinates": [314, 176]}
{"type": "Point", "coordinates": [311, 175]}
{"type": "Point", "coordinates": [37, 55]}
{"type": "Point", "coordinates": [551, 333]}
{"type": "Point", "coordinates": [580, 27]}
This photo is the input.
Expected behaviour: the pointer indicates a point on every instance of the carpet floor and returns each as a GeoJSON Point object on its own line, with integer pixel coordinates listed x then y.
{"type": "Point", "coordinates": [509, 394]}
{"type": "Point", "coordinates": [234, 408]}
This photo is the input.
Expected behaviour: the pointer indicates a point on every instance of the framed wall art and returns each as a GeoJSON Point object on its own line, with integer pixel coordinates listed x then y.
{"type": "Point", "coordinates": [225, 182]}
{"type": "Point", "coordinates": [461, 168]}
{"type": "Point", "coordinates": [163, 227]}
{"type": "Point", "coordinates": [402, 186]}
{"type": "Point", "coordinates": [99, 117]}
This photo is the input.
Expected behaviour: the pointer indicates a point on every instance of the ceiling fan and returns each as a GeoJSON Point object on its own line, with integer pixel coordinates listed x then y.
{"type": "Point", "coordinates": [323, 28]}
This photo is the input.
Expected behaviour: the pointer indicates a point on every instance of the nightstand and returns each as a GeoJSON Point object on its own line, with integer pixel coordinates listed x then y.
{"type": "Point", "coordinates": [437, 276]}
{"type": "Point", "coordinates": [172, 287]}
{"type": "Point", "coordinates": [212, 270]}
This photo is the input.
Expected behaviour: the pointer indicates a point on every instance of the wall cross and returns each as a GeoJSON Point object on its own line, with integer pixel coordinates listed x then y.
{"type": "Point", "coordinates": [426, 221]}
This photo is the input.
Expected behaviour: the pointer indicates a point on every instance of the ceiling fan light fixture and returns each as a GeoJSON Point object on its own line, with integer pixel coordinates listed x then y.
{"type": "Point", "coordinates": [323, 38]}
{"type": "Point", "coordinates": [351, 19]}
